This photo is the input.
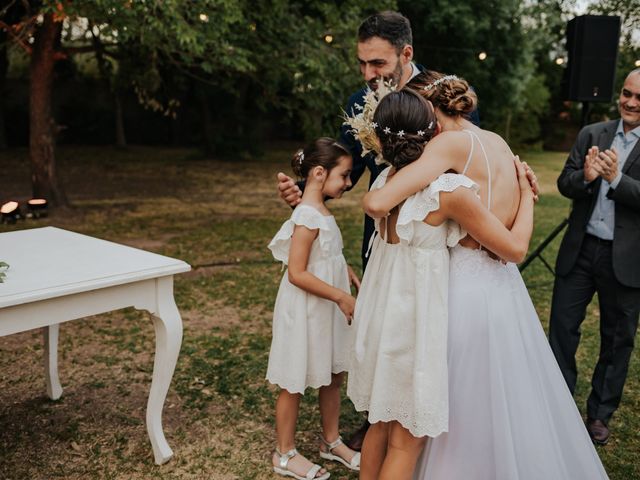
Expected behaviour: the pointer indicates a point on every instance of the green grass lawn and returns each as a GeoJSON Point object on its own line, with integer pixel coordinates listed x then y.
{"type": "Point", "coordinates": [218, 216]}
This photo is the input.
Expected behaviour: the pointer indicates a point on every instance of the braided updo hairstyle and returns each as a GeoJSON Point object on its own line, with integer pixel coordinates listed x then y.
{"type": "Point", "coordinates": [324, 152]}
{"type": "Point", "coordinates": [405, 123]}
{"type": "Point", "coordinates": [452, 95]}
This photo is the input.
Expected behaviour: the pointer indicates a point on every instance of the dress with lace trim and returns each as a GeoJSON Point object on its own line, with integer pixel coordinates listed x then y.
{"type": "Point", "coordinates": [398, 368]}
{"type": "Point", "coordinates": [309, 217]}
{"type": "Point", "coordinates": [416, 208]}
{"type": "Point", "coordinates": [311, 338]}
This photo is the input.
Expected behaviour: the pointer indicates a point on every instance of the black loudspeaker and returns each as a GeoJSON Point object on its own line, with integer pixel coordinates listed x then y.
{"type": "Point", "coordinates": [592, 44]}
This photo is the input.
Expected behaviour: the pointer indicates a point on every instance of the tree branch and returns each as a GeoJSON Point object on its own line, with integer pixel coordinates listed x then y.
{"type": "Point", "coordinates": [10, 29]}
{"type": "Point", "coordinates": [86, 48]}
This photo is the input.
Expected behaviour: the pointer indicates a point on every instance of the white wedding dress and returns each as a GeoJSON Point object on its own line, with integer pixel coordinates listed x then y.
{"type": "Point", "coordinates": [511, 415]}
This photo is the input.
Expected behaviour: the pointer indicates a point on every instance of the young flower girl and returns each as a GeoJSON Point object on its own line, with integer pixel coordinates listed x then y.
{"type": "Point", "coordinates": [312, 316]}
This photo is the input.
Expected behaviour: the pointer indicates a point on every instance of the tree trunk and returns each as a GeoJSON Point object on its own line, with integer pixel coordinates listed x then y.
{"type": "Point", "coordinates": [121, 139]}
{"type": "Point", "coordinates": [206, 121]}
{"type": "Point", "coordinates": [4, 67]}
{"type": "Point", "coordinates": [44, 180]}
{"type": "Point", "coordinates": [103, 67]}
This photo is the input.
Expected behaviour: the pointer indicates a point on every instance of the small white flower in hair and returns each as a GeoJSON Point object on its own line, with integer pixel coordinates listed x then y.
{"type": "Point", "coordinates": [439, 81]}
{"type": "Point", "coordinates": [430, 125]}
{"type": "Point", "coordinates": [420, 133]}
{"type": "Point", "coordinates": [401, 133]}
{"type": "Point", "coordinates": [374, 125]}
{"type": "Point", "coordinates": [387, 130]}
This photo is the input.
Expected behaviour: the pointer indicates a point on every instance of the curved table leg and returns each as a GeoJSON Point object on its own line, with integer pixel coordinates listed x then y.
{"type": "Point", "coordinates": [50, 334]}
{"type": "Point", "coordinates": [168, 327]}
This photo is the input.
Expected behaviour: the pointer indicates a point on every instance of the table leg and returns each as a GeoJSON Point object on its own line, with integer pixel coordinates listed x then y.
{"type": "Point", "coordinates": [50, 334]}
{"type": "Point", "coordinates": [168, 327]}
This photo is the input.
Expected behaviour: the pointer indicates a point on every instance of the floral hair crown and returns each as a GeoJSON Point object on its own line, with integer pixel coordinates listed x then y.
{"type": "Point", "coordinates": [434, 84]}
{"type": "Point", "coordinates": [402, 133]}
{"type": "Point", "coordinates": [361, 121]}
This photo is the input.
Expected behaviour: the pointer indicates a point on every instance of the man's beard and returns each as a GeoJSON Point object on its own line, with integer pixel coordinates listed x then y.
{"type": "Point", "coordinates": [393, 79]}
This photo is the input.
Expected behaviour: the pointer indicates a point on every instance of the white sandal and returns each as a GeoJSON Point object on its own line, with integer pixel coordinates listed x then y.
{"type": "Point", "coordinates": [283, 469]}
{"type": "Point", "coordinates": [355, 460]}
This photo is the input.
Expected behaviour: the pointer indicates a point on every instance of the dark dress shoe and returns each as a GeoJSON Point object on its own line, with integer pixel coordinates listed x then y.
{"type": "Point", "coordinates": [598, 431]}
{"type": "Point", "coordinates": [356, 439]}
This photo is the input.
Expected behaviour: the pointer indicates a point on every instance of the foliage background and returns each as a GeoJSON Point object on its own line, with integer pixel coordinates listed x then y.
{"type": "Point", "coordinates": [180, 76]}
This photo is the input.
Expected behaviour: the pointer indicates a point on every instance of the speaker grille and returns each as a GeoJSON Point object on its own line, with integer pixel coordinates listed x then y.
{"type": "Point", "coordinates": [592, 44]}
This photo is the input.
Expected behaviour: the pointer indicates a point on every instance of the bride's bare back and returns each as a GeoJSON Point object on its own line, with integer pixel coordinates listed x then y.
{"type": "Point", "coordinates": [499, 165]}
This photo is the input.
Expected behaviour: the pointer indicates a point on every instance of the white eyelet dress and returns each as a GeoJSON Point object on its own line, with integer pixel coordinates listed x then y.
{"type": "Point", "coordinates": [311, 337]}
{"type": "Point", "coordinates": [398, 369]}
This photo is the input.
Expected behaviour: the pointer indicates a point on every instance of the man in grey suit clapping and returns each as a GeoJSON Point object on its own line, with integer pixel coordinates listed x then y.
{"type": "Point", "coordinates": [600, 252]}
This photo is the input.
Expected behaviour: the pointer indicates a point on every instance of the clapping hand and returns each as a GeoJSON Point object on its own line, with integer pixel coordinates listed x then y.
{"type": "Point", "coordinates": [607, 164]}
{"type": "Point", "coordinates": [591, 168]}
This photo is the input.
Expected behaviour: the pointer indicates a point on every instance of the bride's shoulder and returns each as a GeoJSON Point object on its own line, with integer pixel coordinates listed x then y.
{"type": "Point", "coordinates": [450, 135]}
{"type": "Point", "coordinates": [500, 147]}
{"type": "Point", "coordinates": [495, 138]}
{"type": "Point", "coordinates": [449, 141]}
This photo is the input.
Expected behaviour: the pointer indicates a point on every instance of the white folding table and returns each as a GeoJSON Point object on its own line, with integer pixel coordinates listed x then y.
{"type": "Point", "coordinates": [55, 276]}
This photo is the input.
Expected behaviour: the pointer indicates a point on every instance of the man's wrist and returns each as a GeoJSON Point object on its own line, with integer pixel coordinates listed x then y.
{"type": "Point", "coordinates": [616, 180]}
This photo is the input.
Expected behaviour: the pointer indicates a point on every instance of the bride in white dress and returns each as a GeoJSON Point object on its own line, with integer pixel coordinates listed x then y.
{"type": "Point", "coordinates": [398, 372]}
{"type": "Point", "coordinates": [511, 415]}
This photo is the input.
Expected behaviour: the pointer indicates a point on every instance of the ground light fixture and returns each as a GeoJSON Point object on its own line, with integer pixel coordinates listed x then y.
{"type": "Point", "coordinates": [10, 212]}
{"type": "Point", "coordinates": [37, 208]}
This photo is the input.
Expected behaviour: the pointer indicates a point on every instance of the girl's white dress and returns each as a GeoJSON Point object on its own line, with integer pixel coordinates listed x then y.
{"type": "Point", "coordinates": [311, 337]}
{"type": "Point", "coordinates": [398, 369]}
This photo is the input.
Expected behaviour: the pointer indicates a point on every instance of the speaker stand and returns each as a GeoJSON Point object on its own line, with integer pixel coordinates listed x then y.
{"type": "Point", "coordinates": [586, 110]}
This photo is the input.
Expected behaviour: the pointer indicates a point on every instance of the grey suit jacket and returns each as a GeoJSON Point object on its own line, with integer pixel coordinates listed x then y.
{"type": "Point", "coordinates": [626, 236]}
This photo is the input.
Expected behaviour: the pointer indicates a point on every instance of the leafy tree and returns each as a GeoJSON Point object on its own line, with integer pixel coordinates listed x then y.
{"type": "Point", "coordinates": [449, 36]}
{"type": "Point", "coordinates": [304, 68]}
{"type": "Point", "coordinates": [180, 32]}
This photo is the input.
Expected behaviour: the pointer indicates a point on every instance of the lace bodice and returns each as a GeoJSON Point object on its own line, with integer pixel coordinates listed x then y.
{"type": "Point", "coordinates": [410, 226]}
{"type": "Point", "coordinates": [327, 245]}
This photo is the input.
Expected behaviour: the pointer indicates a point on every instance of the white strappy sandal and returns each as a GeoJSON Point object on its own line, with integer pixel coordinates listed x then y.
{"type": "Point", "coordinates": [283, 469]}
{"type": "Point", "coordinates": [355, 460]}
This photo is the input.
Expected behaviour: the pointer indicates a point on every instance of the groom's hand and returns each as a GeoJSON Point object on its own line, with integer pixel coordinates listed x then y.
{"type": "Point", "coordinates": [533, 181]}
{"type": "Point", "coordinates": [288, 190]}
